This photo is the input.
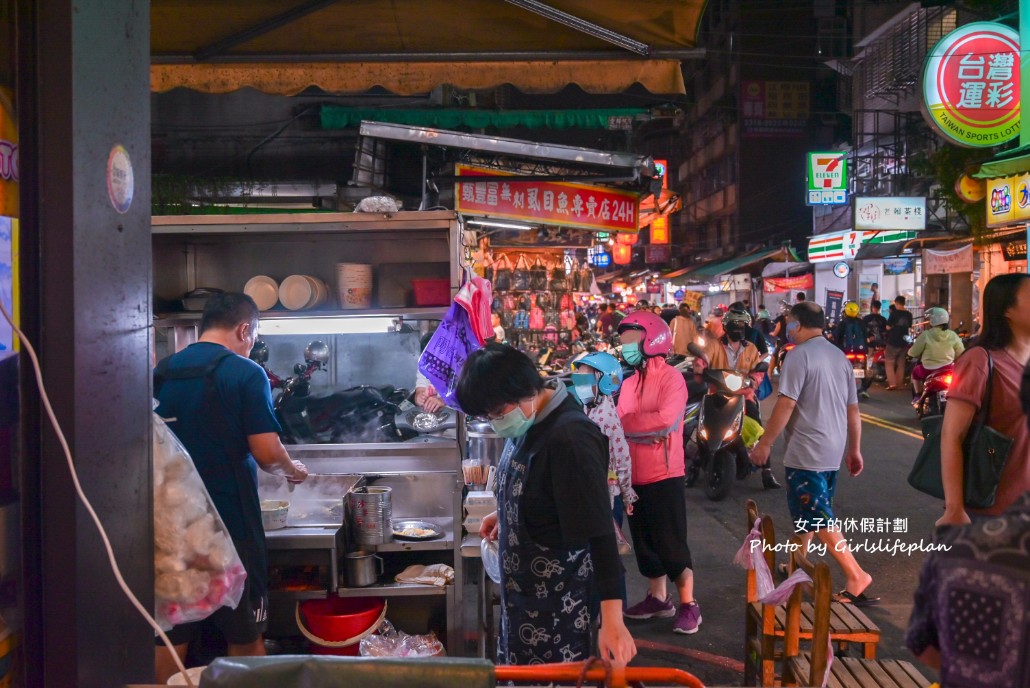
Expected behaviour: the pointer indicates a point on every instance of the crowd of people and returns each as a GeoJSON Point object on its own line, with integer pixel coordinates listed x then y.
{"type": "Point", "coordinates": [580, 456]}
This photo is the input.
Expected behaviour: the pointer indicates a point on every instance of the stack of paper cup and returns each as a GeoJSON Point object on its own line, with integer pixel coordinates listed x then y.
{"type": "Point", "coordinates": [354, 285]}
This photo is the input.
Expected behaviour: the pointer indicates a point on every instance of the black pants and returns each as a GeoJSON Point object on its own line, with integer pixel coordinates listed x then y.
{"type": "Point", "coordinates": [659, 528]}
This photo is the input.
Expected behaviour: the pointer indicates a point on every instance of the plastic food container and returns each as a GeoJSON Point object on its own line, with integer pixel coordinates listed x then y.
{"type": "Point", "coordinates": [432, 292]}
{"type": "Point", "coordinates": [274, 513]}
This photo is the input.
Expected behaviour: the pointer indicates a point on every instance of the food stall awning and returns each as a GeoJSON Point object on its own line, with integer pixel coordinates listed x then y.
{"type": "Point", "coordinates": [733, 265]}
{"type": "Point", "coordinates": [412, 46]}
{"type": "Point", "coordinates": [875, 251]}
{"type": "Point", "coordinates": [1005, 164]}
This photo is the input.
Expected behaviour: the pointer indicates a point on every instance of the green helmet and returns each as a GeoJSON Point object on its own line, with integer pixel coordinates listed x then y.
{"type": "Point", "coordinates": [736, 316]}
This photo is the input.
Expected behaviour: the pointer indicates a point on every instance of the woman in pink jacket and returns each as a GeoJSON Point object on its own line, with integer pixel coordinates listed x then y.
{"type": "Point", "coordinates": [651, 406]}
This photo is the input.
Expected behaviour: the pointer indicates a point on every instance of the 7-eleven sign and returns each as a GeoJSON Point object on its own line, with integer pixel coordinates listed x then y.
{"type": "Point", "coordinates": [827, 171]}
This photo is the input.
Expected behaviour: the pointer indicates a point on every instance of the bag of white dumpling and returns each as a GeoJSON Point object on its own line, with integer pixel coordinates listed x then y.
{"type": "Point", "coordinates": [196, 567]}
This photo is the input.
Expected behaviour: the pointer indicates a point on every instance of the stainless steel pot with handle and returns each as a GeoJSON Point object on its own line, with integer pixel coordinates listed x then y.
{"type": "Point", "coordinates": [484, 445]}
{"type": "Point", "coordinates": [362, 569]}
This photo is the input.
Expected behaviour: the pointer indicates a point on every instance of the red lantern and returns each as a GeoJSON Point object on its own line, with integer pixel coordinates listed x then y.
{"type": "Point", "coordinates": [660, 231]}
{"type": "Point", "coordinates": [626, 238]}
{"type": "Point", "coordinates": [622, 254]}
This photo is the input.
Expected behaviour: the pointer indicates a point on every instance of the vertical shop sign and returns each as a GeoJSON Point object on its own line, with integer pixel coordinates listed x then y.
{"type": "Point", "coordinates": [827, 179]}
{"type": "Point", "coordinates": [971, 82]}
{"type": "Point", "coordinates": [834, 301]}
{"type": "Point", "coordinates": [490, 193]}
{"type": "Point", "coordinates": [660, 231]}
{"type": "Point", "coordinates": [8, 261]}
{"type": "Point", "coordinates": [657, 254]}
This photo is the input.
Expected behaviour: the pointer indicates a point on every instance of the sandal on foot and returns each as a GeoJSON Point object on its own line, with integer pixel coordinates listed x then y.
{"type": "Point", "coordinates": [859, 600]}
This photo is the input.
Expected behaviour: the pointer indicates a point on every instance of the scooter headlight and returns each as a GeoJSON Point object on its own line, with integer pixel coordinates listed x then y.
{"type": "Point", "coordinates": [733, 382]}
{"type": "Point", "coordinates": [701, 342]}
{"type": "Point", "coordinates": [728, 435]}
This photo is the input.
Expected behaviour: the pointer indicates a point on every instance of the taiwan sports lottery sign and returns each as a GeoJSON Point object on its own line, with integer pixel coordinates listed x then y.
{"type": "Point", "coordinates": [971, 85]}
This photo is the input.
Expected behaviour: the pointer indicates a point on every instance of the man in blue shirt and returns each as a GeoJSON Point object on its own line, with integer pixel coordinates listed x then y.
{"type": "Point", "coordinates": [219, 404]}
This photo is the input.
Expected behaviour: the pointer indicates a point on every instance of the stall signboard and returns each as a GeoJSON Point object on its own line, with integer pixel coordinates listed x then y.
{"type": "Point", "coordinates": [867, 291]}
{"type": "Point", "coordinates": [971, 85]}
{"type": "Point", "coordinates": [654, 288]}
{"type": "Point", "coordinates": [834, 247]}
{"type": "Point", "coordinates": [1014, 250]}
{"type": "Point", "coordinates": [500, 195]}
{"type": "Point", "coordinates": [898, 266]}
{"type": "Point", "coordinates": [660, 231]}
{"type": "Point", "coordinates": [774, 109]}
{"type": "Point", "coordinates": [778, 285]}
{"type": "Point", "coordinates": [827, 179]}
{"type": "Point", "coordinates": [948, 262]}
{"type": "Point", "coordinates": [905, 213]}
{"type": "Point", "coordinates": [679, 294]}
{"type": "Point", "coordinates": [601, 260]}
{"type": "Point", "coordinates": [657, 254]}
{"type": "Point", "coordinates": [834, 303]}
{"type": "Point", "coordinates": [1008, 200]}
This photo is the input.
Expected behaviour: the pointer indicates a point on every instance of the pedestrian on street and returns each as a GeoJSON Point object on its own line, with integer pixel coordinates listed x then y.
{"type": "Point", "coordinates": [555, 535]}
{"type": "Point", "coordinates": [818, 408]}
{"type": "Point", "coordinates": [897, 345]}
{"type": "Point", "coordinates": [651, 406]}
{"type": "Point", "coordinates": [1005, 342]}
{"type": "Point", "coordinates": [684, 331]}
{"type": "Point", "coordinates": [219, 404]}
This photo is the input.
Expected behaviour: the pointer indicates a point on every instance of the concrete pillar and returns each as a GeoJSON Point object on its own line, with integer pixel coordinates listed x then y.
{"type": "Point", "coordinates": [84, 108]}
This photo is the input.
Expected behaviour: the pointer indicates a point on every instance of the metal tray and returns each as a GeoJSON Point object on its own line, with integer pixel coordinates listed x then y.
{"type": "Point", "coordinates": [426, 525]}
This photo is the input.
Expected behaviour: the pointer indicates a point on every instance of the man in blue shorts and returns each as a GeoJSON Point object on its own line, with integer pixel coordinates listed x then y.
{"type": "Point", "coordinates": [818, 408]}
{"type": "Point", "coordinates": [219, 404]}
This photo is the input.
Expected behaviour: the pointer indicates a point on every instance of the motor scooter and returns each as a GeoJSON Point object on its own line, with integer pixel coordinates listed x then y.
{"type": "Point", "coordinates": [357, 414]}
{"type": "Point", "coordinates": [721, 453]}
{"type": "Point", "coordinates": [934, 398]}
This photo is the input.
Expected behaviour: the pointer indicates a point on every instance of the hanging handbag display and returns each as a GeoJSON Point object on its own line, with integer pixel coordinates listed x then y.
{"type": "Point", "coordinates": [586, 277]}
{"type": "Point", "coordinates": [559, 280]}
{"type": "Point", "coordinates": [520, 275]}
{"type": "Point", "coordinates": [502, 274]}
{"type": "Point", "coordinates": [538, 276]}
{"type": "Point", "coordinates": [983, 455]}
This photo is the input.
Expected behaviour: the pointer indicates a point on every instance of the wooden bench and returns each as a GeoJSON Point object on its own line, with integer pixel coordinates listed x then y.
{"type": "Point", "coordinates": [808, 669]}
{"type": "Point", "coordinates": [765, 625]}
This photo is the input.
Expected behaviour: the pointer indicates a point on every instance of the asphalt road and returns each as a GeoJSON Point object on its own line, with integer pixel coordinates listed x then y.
{"type": "Point", "coordinates": [890, 440]}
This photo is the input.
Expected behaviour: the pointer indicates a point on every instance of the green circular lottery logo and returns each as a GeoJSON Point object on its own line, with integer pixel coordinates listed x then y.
{"type": "Point", "coordinates": [971, 85]}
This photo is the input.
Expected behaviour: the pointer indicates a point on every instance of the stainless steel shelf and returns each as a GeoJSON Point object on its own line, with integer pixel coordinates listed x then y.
{"type": "Point", "coordinates": [427, 313]}
{"type": "Point", "coordinates": [394, 590]}
{"type": "Point", "coordinates": [303, 537]}
{"type": "Point", "coordinates": [439, 544]}
{"type": "Point", "coordinates": [297, 594]}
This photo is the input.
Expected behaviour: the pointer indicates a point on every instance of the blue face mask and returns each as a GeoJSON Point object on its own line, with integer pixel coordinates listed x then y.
{"type": "Point", "coordinates": [513, 424]}
{"type": "Point", "coordinates": [583, 386]}
{"type": "Point", "coordinates": [631, 354]}
{"type": "Point", "coordinates": [792, 330]}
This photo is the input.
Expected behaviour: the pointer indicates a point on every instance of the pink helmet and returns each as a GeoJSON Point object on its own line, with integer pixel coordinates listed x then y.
{"type": "Point", "coordinates": [657, 339]}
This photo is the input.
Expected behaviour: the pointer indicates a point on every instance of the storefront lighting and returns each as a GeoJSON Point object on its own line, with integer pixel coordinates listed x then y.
{"type": "Point", "coordinates": [500, 225]}
{"type": "Point", "coordinates": [313, 326]}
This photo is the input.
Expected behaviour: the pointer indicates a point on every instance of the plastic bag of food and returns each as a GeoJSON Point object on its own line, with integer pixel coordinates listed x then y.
{"type": "Point", "coordinates": [389, 642]}
{"type": "Point", "coordinates": [196, 567]}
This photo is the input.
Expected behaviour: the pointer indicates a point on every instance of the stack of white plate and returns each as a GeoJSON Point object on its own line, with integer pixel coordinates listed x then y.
{"type": "Point", "coordinates": [264, 290]}
{"type": "Point", "coordinates": [302, 292]}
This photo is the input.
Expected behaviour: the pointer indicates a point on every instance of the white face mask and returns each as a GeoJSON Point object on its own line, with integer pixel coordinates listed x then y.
{"type": "Point", "coordinates": [583, 385]}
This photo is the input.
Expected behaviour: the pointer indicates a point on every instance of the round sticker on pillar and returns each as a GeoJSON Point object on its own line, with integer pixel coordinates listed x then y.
{"type": "Point", "coordinates": [971, 85]}
{"type": "Point", "coordinates": [120, 183]}
{"type": "Point", "coordinates": [842, 270]}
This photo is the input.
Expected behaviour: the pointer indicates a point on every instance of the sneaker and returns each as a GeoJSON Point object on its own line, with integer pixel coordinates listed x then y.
{"type": "Point", "coordinates": [651, 608]}
{"type": "Point", "coordinates": [688, 619]}
{"type": "Point", "coordinates": [863, 394]}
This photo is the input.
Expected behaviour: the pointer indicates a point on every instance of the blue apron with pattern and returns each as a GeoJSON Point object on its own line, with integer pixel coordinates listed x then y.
{"type": "Point", "coordinates": [545, 591]}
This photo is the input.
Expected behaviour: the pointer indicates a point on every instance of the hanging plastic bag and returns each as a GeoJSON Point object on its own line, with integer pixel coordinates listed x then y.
{"type": "Point", "coordinates": [389, 642]}
{"type": "Point", "coordinates": [445, 354]}
{"type": "Point", "coordinates": [196, 567]}
{"type": "Point", "coordinates": [764, 389]}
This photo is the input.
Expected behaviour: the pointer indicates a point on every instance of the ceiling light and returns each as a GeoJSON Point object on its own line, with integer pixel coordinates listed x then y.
{"type": "Point", "coordinates": [501, 225]}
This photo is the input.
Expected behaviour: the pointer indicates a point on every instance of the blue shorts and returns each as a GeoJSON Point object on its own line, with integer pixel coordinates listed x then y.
{"type": "Point", "coordinates": [810, 498]}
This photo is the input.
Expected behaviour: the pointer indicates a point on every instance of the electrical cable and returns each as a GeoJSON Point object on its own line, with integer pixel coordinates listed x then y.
{"type": "Point", "coordinates": [85, 501]}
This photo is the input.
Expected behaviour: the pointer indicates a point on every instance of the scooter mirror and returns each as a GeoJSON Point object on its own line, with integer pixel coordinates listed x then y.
{"type": "Point", "coordinates": [695, 350]}
{"type": "Point", "coordinates": [259, 352]}
{"type": "Point", "coordinates": [317, 352]}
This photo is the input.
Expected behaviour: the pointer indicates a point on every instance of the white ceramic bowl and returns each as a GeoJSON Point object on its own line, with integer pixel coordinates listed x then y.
{"type": "Point", "coordinates": [264, 290]}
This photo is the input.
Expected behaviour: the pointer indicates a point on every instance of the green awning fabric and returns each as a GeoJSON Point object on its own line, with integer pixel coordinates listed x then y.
{"type": "Point", "coordinates": [1015, 161]}
{"type": "Point", "coordinates": [336, 117]}
{"type": "Point", "coordinates": [729, 267]}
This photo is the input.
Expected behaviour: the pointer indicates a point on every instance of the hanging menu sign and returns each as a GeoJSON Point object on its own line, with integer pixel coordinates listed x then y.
{"type": "Point", "coordinates": [490, 193]}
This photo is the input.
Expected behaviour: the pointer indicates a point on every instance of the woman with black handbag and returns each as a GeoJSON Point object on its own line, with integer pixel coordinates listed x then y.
{"type": "Point", "coordinates": [987, 377]}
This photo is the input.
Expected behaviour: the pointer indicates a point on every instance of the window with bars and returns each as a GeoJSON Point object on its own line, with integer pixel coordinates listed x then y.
{"type": "Point", "coordinates": [891, 66]}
